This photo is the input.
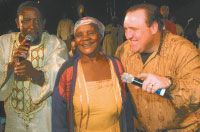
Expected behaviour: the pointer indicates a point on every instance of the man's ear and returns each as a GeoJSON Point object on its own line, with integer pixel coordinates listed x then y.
{"type": "Point", "coordinates": [154, 27]}
{"type": "Point", "coordinates": [17, 22]}
{"type": "Point", "coordinates": [43, 23]}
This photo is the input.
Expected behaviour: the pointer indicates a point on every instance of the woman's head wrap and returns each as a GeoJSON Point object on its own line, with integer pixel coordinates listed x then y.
{"type": "Point", "coordinates": [93, 21]}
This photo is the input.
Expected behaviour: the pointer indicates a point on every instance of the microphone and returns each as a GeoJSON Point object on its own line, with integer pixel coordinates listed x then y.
{"type": "Point", "coordinates": [128, 78]}
{"type": "Point", "coordinates": [29, 39]}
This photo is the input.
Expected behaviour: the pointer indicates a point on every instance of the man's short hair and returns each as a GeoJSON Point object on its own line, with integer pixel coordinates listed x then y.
{"type": "Point", "coordinates": [152, 14]}
{"type": "Point", "coordinates": [31, 4]}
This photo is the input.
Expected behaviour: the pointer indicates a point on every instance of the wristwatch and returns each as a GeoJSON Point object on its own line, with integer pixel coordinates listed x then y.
{"type": "Point", "coordinates": [170, 80]}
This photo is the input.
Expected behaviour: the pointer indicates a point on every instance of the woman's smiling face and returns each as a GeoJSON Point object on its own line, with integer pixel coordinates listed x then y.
{"type": "Point", "coordinates": [87, 39]}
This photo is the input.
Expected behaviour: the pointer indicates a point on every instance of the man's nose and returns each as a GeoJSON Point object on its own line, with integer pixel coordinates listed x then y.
{"type": "Point", "coordinates": [129, 34]}
{"type": "Point", "coordinates": [32, 24]}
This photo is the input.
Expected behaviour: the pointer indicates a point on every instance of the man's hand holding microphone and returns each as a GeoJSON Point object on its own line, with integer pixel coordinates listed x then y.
{"type": "Point", "coordinates": [23, 67]}
{"type": "Point", "coordinates": [150, 83]}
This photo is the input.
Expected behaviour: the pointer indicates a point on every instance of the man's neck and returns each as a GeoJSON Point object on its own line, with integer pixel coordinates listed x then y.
{"type": "Point", "coordinates": [154, 44]}
{"type": "Point", "coordinates": [158, 39]}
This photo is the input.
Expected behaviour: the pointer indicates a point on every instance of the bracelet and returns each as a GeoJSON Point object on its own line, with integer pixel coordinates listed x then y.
{"type": "Point", "coordinates": [40, 77]}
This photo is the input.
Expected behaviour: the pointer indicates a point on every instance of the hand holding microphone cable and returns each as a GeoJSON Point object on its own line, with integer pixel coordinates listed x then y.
{"type": "Point", "coordinates": [128, 78]}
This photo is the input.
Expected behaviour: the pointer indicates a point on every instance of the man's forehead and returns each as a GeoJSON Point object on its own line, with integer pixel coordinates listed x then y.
{"type": "Point", "coordinates": [138, 12]}
{"type": "Point", "coordinates": [138, 15]}
{"type": "Point", "coordinates": [30, 11]}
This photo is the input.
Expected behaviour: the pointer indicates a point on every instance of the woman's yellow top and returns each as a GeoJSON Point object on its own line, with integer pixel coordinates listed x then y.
{"type": "Point", "coordinates": [97, 104]}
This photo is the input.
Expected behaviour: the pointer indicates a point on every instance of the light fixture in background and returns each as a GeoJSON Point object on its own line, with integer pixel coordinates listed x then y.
{"type": "Point", "coordinates": [80, 10]}
{"type": "Point", "coordinates": [38, 1]}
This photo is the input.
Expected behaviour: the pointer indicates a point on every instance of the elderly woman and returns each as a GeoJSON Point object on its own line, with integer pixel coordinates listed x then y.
{"type": "Point", "coordinates": [89, 95]}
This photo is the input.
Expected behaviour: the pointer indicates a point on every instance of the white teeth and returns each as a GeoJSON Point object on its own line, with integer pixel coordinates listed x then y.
{"type": "Point", "coordinates": [134, 42]}
{"type": "Point", "coordinates": [86, 45]}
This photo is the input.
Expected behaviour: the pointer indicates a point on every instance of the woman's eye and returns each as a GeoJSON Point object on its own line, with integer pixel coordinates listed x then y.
{"type": "Point", "coordinates": [90, 33]}
{"type": "Point", "coordinates": [79, 35]}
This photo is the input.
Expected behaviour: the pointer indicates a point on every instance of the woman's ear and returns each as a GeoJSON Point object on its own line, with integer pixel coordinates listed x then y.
{"type": "Point", "coordinates": [100, 37]}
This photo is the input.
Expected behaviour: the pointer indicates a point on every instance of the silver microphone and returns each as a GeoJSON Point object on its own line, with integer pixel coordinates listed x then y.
{"type": "Point", "coordinates": [29, 40]}
{"type": "Point", "coordinates": [128, 78]}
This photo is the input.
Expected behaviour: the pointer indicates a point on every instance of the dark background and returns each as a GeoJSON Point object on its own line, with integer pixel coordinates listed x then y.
{"type": "Point", "coordinates": [101, 9]}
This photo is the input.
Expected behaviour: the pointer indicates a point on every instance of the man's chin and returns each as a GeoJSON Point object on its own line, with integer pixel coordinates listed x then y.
{"type": "Point", "coordinates": [135, 50]}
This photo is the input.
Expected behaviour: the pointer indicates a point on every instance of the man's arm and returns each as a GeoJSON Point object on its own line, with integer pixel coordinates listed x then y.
{"type": "Point", "coordinates": [25, 68]}
{"type": "Point", "coordinates": [6, 66]}
{"type": "Point", "coordinates": [54, 57]}
{"type": "Point", "coordinates": [184, 89]}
